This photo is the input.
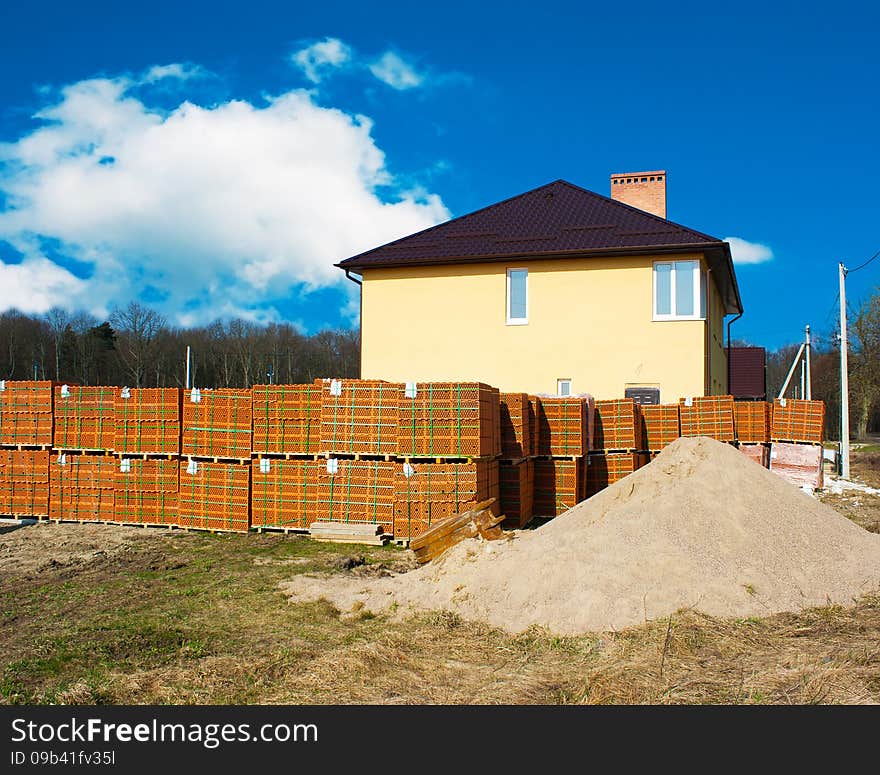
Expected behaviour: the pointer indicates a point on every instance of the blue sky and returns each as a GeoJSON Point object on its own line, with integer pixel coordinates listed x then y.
{"type": "Point", "coordinates": [212, 160]}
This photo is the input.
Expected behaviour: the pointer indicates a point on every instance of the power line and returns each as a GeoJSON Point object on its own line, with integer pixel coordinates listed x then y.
{"type": "Point", "coordinates": [862, 266]}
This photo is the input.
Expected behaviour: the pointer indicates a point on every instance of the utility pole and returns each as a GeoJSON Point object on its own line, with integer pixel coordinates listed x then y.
{"type": "Point", "coordinates": [809, 394]}
{"type": "Point", "coordinates": [844, 379]}
{"type": "Point", "coordinates": [187, 366]}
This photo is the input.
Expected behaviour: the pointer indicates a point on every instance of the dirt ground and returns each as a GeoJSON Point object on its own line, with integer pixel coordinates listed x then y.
{"type": "Point", "coordinates": [102, 614]}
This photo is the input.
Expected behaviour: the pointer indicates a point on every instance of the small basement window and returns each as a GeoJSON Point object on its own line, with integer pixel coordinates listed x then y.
{"type": "Point", "coordinates": [517, 297]}
{"type": "Point", "coordinates": [563, 387]}
{"type": "Point", "coordinates": [679, 291]}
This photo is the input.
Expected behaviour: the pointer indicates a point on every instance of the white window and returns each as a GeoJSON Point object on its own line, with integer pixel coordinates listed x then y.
{"type": "Point", "coordinates": [679, 291]}
{"type": "Point", "coordinates": [563, 387]}
{"type": "Point", "coordinates": [517, 297]}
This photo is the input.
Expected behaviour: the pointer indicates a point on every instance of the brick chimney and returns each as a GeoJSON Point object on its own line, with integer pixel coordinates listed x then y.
{"type": "Point", "coordinates": [645, 190]}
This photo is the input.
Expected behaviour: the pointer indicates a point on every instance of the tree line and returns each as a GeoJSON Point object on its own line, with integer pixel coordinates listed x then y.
{"type": "Point", "coordinates": [137, 347]}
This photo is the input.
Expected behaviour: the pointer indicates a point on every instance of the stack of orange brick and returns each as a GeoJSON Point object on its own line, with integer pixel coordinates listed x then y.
{"type": "Point", "coordinates": [449, 419]}
{"type": "Point", "coordinates": [711, 416]}
{"type": "Point", "coordinates": [753, 430]}
{"type": "Point", "coordinates": [618, 444]}
{"type": "Point", "coordinates": [26, 414]}
{"type": "Point", "coordinates": [214, 495]}
{"type": "Point", "coordinates": [82, 487]}
{"type": "Point", "coordinates": [558, 485]}
{"type": "Point", "coordinates": [84, 418]}
{"type": "Point", "coordinates": [517, 471]}
{"type": "Point", "coordinates": [146, 491]}
{"type": "Point", "coordinates": [796, 427]}
{"type": "Point", "coordinates": [361, 417]}
{"type": "Point", "coordinates": [147, 421]}
{"type": "Point", "coordinates": [287, 419]}
{"type": "Point", "coordinates": [24, 483]}
{"type": "Point", "coordinates": [565, 435]}
{"type": "Point", "coordinates": [660, 426]}
{"type": "Point", "coordinates": [356, 491]}
{"type": "Point", "coordinates": [427, 492]}
{"type": "Point", "coordinates": [517, 490]}
{"type": "Point", "coordinates": [284, 493]}
{"type": "Point", "coordinates": [605, 469]}
{"type": "Point", "coordinates": [217, 424]}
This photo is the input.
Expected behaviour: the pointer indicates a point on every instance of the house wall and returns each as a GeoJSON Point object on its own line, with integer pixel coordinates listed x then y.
{"type": "Point", "coordinates": [717, 353]}
{"type": "Point", "coordinates": [590, 320]}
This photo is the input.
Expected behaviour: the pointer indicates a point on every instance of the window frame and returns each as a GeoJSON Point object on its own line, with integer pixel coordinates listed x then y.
{"type": "Point", "coordinates": [558, 383]}
{"type": "Point", "coordinates": [516, 321]}
{"type": "Point", "coordinates": [699, 285]}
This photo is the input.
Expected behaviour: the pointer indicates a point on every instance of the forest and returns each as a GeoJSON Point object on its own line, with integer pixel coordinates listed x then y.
{"type": "Point", "coordinates": [136, 346]}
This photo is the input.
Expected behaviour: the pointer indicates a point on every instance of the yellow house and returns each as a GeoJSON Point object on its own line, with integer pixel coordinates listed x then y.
{"type": "Point", "coordinates": [559, 290]}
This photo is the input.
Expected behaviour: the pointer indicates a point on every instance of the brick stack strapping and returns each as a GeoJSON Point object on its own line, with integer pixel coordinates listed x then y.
{"type": "Point", "coordinates": [287, 419]}
{"type": "Point", "coordinates": [660, 425]}
{"type": "Point", "coordinates": [284, 493]}
{"type": "Point", "coordinates": [558, 485]}
{"type": "Point", "coordinates": [797, 420]}
{"type": "Point", "coordinates": [752, 422]}
{"type": "Point", "coordinates": [711, 416]}
{"type": "Point", "coordinates": [84, 417]}
{"type": "Point", "coordinates": [82, 487]}
{"type": "Point", "coordinates": [217, 424]}
{"type": "Point", "coordinates": [517, 492]}
{"type": "Point", "coordinates": [360, 491]}
{"type": "Point", "coordinates": [449, 419]}
{"type": "Point", "coordinates": [425, 492]}
{"type": "Point", "coordinates": [146, 490]}
{"type": "Point", "coordinates": [564, 426]}
{"type": "Point", "coordinates": [146, 421]}
{"type": "Point", "coordinates": [24, 482]}
{"type": "Point", "coordinates": [26, 414]}
{"type": "Point", "coordinates": [618, 425]}
{"type": "Point", "coordinates": [214, 495]}
{"type": "Point", "coordinates": [361, 417]}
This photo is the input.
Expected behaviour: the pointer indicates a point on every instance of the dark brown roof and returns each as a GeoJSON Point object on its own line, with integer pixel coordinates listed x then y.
{"type": "Point", "coordinates": [555, 220]}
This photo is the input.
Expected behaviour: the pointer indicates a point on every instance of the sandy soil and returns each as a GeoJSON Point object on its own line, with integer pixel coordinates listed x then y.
{"type": "Point", "coordinates": [701, 527]}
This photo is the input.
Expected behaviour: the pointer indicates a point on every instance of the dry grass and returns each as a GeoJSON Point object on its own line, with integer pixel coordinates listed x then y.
{"type": "Point", "coordinates": [189, 618]}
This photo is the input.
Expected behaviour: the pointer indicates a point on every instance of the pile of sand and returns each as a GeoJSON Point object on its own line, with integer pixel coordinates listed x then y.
{"type": "Point", "coordinates": [702, 526]}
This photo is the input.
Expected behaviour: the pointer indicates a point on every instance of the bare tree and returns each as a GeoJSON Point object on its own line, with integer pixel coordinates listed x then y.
{"type": "Point", "coordinates": [137, 329]}
{"type": "Point", "coordinates": [57, 319]}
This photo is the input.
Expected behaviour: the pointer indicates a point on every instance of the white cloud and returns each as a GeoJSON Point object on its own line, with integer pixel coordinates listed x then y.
{"type": "Point", "coordinates": [745, 252]}
{"type": "Point", "coordinates": [36, 285]}
{"type": "Point", "coordinates": [220, 209]}
{"type": "Point", "coordinates": [176, 70]}
{"type": "Point", "coordinates": [321, 57]}
{"type": "Point", "coordinates": [396, 72]}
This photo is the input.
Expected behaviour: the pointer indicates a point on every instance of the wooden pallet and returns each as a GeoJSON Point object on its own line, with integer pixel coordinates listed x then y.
{"type": "Point", "coordinates": [348, 533]}
{"type": "Point", "coordinates": [437, 539]}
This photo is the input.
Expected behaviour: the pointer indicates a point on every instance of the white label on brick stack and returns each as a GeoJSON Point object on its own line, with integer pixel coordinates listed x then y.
{"type": "Point", "coordinates": [411, 389]}
{"type": "Point", "coordinates": [195, 396]}
{"type": "Point", "coordinates": [192, 467]}
{"type": "Point", "coordinates": [65, 391]}
{"type": "Point", "coordinates": [2, 384]}
{"type": "Point", "coordinates": [265, 465]}
{"type": "Point", "coordinates": [408, 470]}
{"type": "Point", "coordinates": [689, 401]}
{"type": "Point", "coordinates": [125, 465]}
{"type": "Point", "coordinates": [126, 393]}
{"type": "Point", "coordinates": [335, 387]}
{"type": "Point", "coordinates": [332, 465]}
{"type": "Point", "coordinates": [62, 459]}
{"type": "Point", "coordinates": [782, 402]}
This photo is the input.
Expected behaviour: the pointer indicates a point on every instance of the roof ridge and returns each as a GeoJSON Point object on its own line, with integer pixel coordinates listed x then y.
{"type": "Point", "coordinates": [637, 210]}
{"type": "Point", "coordinates": [460, 217]}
